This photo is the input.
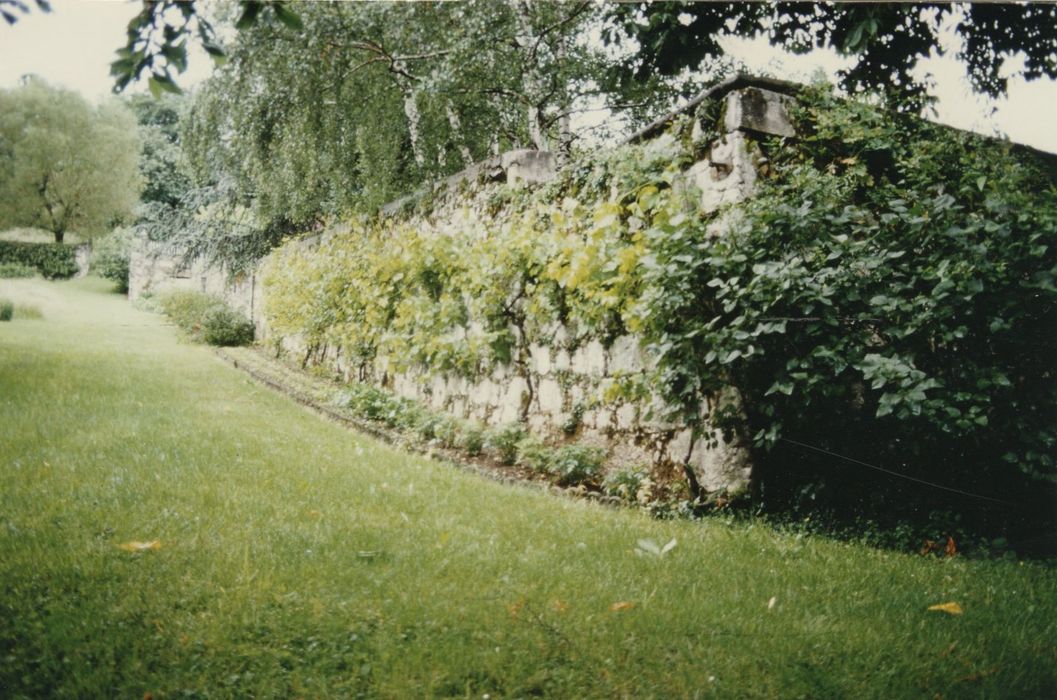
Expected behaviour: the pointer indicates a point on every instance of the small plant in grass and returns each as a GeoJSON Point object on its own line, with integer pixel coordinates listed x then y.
{"type": "Point", "coordinates": [7, 310]}
{"type": "Point", "coordinates": [426, 426]}
{"type": "Point", "coordinates": [570, 465]}
{"type": "Point", "coordinates": [447, 431]}
{"type": "Point", "coordinates": [16, 270]}
{"type": "Point", "coordinates": [532, 453]}
{"type": "Point", "coordinates": [576, 464]}
{"type": "Point", "coordinates": [471, 439]}
{"type": "Point", "coordinates": [374, 404]}
{"type": "Point", "coordinates": [503, 441]}
{"type": "Point", "coordinates": [631, 485]}
{"type": "Point", "coordinates": [148, 301]}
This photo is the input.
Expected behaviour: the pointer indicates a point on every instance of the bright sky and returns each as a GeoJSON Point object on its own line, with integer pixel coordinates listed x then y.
{"type": "Point", "coordinates": [74, 45]}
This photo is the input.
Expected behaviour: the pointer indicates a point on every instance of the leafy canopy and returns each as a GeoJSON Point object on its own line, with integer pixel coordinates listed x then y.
{"type": "Point", "coordinates": [886, 39]}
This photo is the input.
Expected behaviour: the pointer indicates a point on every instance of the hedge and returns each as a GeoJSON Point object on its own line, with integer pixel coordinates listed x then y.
{"type": "Point", "coordinates": [52, 260]}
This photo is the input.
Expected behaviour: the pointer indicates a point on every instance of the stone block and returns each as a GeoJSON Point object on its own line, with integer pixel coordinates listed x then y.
{"type": "Point", "coordinates": [539, 423]}
{"type": "Point", "coordinates": [528, 166]}
{"type": "Point", "coordinates": [728, 175]}
{"type": "Point", "coordinates": [512, 400]}
{"type": "Point", "coordinates": [679, 445]}
{"type": "Point", "coordinates": [626, 416]}
{"type": "Point", "coordinates": [590, 359]}
{"type": "Point", "coordinates": [549, 396]}
{"type": "Point", "coordinates": [762, 111]}
{"type": "Point", "coordinates": [721, 466]}
{"type": "Point", "coordinates": [541, 358]}
{"type": "Point", "coordinates": [589, 420]}
{"type": "Point", "coordinates": [625, 355]}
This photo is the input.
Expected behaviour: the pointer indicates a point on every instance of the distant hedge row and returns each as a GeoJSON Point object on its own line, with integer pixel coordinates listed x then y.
{"type": "Point", "coordinates": [52, 260]}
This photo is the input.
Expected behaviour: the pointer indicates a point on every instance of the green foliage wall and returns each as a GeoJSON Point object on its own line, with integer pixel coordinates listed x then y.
{"type": "Point", "coordinates": [887, 298]}
{"type": "Point", "coordinates": [52, 260]}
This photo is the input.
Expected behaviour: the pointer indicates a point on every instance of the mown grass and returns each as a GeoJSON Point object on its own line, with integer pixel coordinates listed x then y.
{"type": "Point", "coordinates": [300, 560]}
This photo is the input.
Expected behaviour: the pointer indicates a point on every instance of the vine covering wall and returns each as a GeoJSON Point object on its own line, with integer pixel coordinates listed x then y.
{"type": "Point", "coordinates": [507, 304]}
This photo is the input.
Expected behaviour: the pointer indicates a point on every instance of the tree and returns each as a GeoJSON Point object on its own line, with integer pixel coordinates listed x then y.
{"type": "Point", "coordinates": [166, 172]}
{"type": "Point", "coordinates": [369, 100]}
{"type": "Point", "coordinates": [886, 39]}
{"type": "Point", "coordinates": [64, 164]}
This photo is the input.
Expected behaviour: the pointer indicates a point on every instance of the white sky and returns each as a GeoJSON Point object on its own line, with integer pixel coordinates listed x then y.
{"type": "Point", "coordinates": [75, 43]}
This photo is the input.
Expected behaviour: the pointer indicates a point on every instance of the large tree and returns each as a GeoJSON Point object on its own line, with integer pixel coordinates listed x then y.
{"type": "Point", "coordinates": [65, 165]}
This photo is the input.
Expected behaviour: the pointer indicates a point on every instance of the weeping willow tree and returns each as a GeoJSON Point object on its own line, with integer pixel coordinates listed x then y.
{"type": "Point", "coordinates": [365, 102]}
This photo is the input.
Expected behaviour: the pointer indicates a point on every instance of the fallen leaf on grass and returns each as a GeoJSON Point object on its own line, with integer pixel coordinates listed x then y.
{"type": "Point", "coordinates": [621, 605]}
{"type": "Point", "coordinates": [951, 608]}
{"type": "Point", "coordinates": [652, 548]}
{"type": "Point", "coordinates": [771, 602]}
{"type": "Point", "coordinates": [153, 545]}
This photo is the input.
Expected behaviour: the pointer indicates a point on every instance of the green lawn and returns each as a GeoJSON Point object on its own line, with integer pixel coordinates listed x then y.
{"type": "Point", "coordinates": [300, 560]}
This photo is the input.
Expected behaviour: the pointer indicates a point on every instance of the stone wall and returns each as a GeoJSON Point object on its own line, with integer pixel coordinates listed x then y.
{"type": "Point", "coordinates": [83, 257]}
{"type": "Point", "coordinates": [554, 386]}
{"type": "Point", "coordinates": [157, 267]}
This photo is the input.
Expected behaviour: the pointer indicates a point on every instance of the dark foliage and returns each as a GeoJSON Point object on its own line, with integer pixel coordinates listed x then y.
{"type": "Point", "coordinates": [52, 260]}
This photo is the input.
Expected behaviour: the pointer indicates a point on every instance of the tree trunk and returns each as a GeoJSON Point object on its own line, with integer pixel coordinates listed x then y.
{"type": "Point", "coordinates": [412, 114]}
{"type": "Point", "coordinates": [456, 134]}
{"type": "Point", "coordinates": [565, 132]}
{"type": "Point", "coordinates": [531, 81]}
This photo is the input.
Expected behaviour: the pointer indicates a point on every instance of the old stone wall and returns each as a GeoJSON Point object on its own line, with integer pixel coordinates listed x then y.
{"type": "Point", "coordinates": [556, 387]}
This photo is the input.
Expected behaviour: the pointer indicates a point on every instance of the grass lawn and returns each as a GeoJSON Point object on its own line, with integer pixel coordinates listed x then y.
{"type": "Point", "coordinates": [298, 559]}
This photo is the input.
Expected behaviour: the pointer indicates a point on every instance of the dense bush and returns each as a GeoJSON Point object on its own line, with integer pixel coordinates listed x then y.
{"type": "Point", "coordinates": [13, 270]}
{"type": "Point", "coordinates": [224, 326]}
{"type": "Point", "coordinates": [52, 260]}
{"type": "Point", "coordinates": [206, 318]}
{"type": "Point", "coordinates": [110, 257]}
{"type": "Point", "coordinates": [7, 310]}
